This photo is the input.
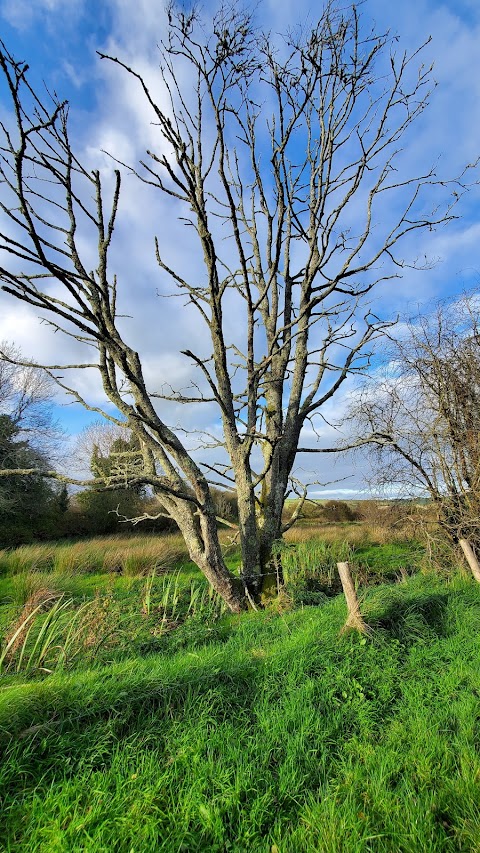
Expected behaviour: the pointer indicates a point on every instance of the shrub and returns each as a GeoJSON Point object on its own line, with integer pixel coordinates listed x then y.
{"type": "Point", "coordinates": [338, 511]}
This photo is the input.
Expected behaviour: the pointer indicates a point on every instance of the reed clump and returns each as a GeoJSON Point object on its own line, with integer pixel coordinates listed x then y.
{"type": "Point", "coordinates": [129, 555]}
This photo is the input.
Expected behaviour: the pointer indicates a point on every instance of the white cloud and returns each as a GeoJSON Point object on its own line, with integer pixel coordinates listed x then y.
{"type": "Point", "coordinates": [21, 14]}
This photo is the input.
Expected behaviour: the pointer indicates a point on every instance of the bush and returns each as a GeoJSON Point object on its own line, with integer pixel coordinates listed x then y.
{"type": "Point", "coordinates": [338, 511]}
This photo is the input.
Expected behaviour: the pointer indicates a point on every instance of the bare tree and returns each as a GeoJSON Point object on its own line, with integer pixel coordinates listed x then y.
{"type": "Point", "coordinates": [422, 414]}
{"type": "Point", "coordinates": [29, 436]}
{"type": "Point", "coordinates": [27, 397]}
{"type": "Point", "coordinates": [288, 158]}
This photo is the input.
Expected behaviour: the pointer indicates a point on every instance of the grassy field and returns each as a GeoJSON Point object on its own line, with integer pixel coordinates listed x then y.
{"type": "Point", "coordinates": [136, 715]}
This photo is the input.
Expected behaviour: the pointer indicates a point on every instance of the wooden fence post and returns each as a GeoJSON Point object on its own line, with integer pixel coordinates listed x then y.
{"type": "Point", "coordinates": [355, 619]}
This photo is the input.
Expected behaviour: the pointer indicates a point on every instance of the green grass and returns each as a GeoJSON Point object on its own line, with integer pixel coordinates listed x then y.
{"type": "Point", "coordinates": [101, 618]}
{"type": "Point", "coordinates": [390, 556]}
{"type": "Point", "coordinates": [264, 732]}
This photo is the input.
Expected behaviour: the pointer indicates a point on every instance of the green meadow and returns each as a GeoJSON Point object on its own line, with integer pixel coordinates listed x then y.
{"type": "Point", "coordinates": [137, 715]}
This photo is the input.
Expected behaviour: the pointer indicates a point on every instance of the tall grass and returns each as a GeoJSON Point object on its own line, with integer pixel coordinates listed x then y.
{"type": "Point", "coordinates": [355, 533]}
{"type": "Point", "coordinates": [126, 555]}
{"type": "Point", "coordinates": [174, 602]}
{"type": "Point", "coordinates": [53, 621]}
{"type": "Point", "coordinates": [310, 569]}
{"type": "Point", "coordinates": [277, 736]}
{"type": "Point", "coordinates": [44, 644]}
{"type": "Point", "coordinates": [139, 555]}
{"type": "Point", "coordinates": [351, 532]}
{"type": "Point", "coordinates": [312, 558]}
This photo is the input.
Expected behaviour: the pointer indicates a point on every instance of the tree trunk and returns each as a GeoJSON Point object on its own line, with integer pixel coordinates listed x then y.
{"type": "Point", "coordinates": [355, 619]}
{"type": "Point", "coordinates": [228, 587]}
{"type": "Point", "coordinates": [271, 572]}
{"type": "Point", "coordinates": [261, 568]}
{"type": "Point", "coordinates": [270, 532]}
{"type": "Point", "coordinates": [199, 530]}
{"type": "Point", "coordinates": [471, 558]}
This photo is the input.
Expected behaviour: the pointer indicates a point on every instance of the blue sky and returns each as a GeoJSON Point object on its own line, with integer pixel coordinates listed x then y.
{"type": "Point", "coordinates": [59, 39]}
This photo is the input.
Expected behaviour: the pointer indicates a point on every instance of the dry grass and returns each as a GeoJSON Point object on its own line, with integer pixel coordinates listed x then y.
{"type": "Point", "coordinates": [129, 555]}
{"type": "Point", "coordinates": [98, 625]}
{"type": "Point", "coordinates": [352, 533]}
{"type": "Point", "coordinates": [51, 631]}
{"type": "Point", "coordinates": [16, 635]}
{"type": "Point", "coordinates": [140, 555]}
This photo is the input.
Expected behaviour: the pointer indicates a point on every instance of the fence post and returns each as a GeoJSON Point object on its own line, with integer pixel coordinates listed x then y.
{"type": "Point", "coordinates": [355, 619]}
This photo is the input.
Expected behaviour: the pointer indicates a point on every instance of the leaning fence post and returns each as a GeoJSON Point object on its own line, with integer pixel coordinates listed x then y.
{"type": "Point", "coordinates": [471, 558]}
{"type": "Point", "coordinates": [355, 619]}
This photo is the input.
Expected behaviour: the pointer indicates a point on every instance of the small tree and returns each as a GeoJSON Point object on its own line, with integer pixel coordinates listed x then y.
{"type": "Point", "coordinates": [114, 457]}
{"type": "Point", "coordinates": [104, 507]}
{"type": "Point", "coordinates": [285, 157]}
{"type": "Point", "coordinates": [422, 417]}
